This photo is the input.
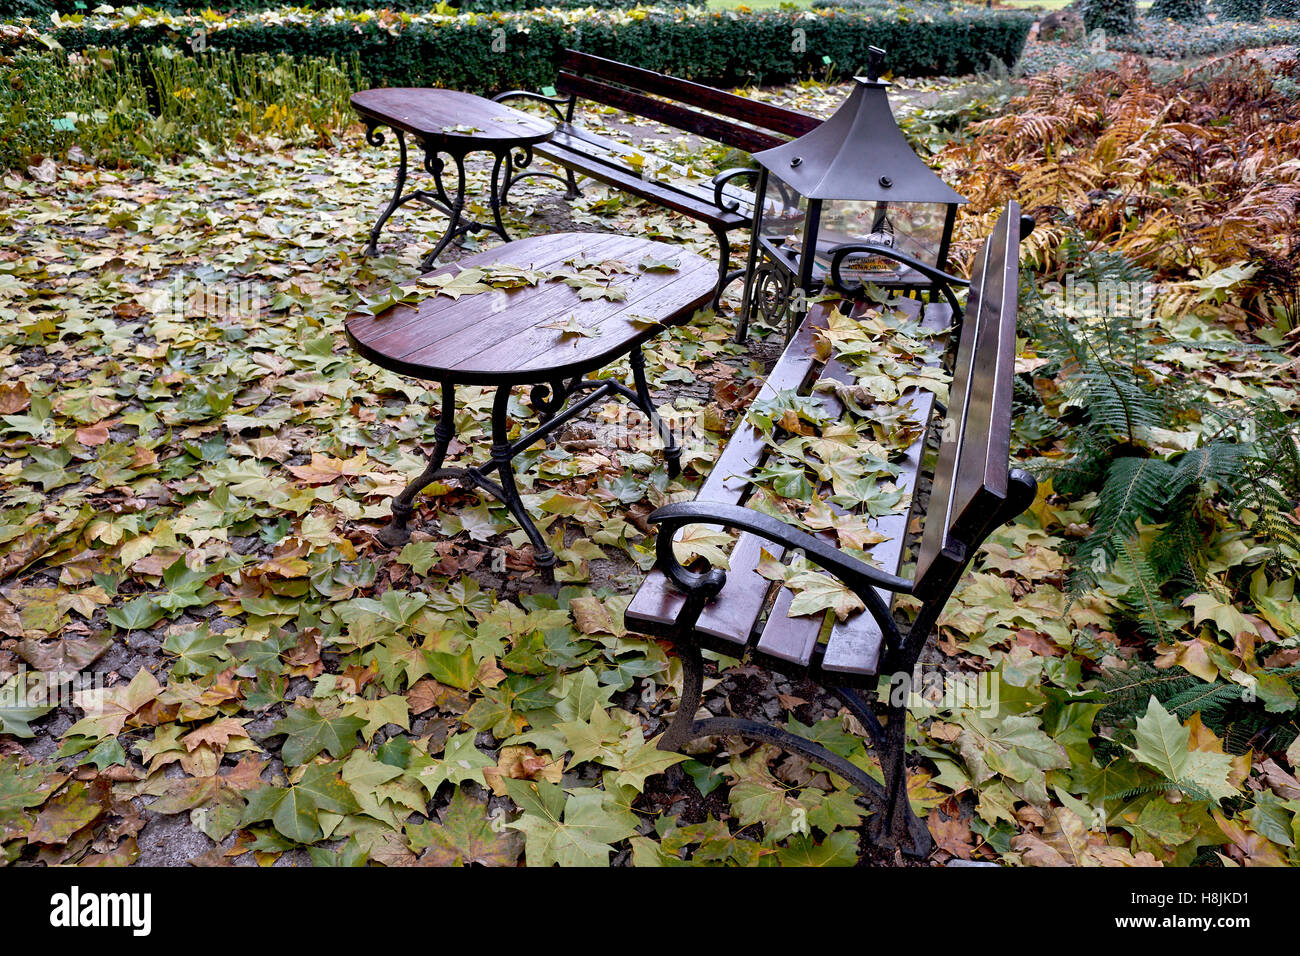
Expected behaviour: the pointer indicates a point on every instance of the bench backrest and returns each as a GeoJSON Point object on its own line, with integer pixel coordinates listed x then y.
{"type": "Point", "coordinates": [970, 492]}
{"type": "Point", "coordinates": [681, 103]}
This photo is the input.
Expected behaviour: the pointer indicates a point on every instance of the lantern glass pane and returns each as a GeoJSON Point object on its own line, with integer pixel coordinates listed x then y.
{"type": "Point", "coordinates": [785, 214]}
{"type": "Point", "coordinates": [912, 228]}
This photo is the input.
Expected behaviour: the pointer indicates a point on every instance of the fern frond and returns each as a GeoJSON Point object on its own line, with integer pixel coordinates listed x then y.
{"type": "Point", "coordinates": [1151, 610]}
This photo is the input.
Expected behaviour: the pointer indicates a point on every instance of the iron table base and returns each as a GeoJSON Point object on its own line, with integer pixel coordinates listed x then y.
{"type": "Point", "coordinates": [506, 160]}
{"type": "Point", "coordinates": [551, 399]}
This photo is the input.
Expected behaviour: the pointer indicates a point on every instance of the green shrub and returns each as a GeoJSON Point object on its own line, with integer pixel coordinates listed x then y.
{"type": "Point", "coordinates": [1251, 11]}
{"type": "Point", "coordinates": [1284, 9]}
{"type": "Point", "coordinates": [27, 8]}
{"type": "Point", "coordinates": [11, 9]}
{"type": "Point", "coordinates": [1184, 11]}
{"type": "Point", "coordinates": [1184, 40]}
{"type": "Point", "coordinates": [484, 53]}
{"type": "Point", "coordinates": [1113, 16]}
{"type": "Point", "coordinates": [122, 108]}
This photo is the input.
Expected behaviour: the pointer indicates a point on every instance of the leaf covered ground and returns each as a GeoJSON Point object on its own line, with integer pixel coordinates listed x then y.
{"type": "Point", "coordinates": [195, 466]}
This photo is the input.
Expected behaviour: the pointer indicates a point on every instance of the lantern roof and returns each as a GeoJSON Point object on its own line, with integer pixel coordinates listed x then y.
{"type": "Point", "coordinates": [858, 154]}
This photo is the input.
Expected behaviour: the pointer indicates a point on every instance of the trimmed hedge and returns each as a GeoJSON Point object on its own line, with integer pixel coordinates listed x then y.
{"type": "Point", "coordinates": [1184, 11]}
{"type": "Point", "coordinates": [32, 8]}
{"type": "Point", "coordinates": [490, 53]}
{"type": "Point", "coordinates": [1113, 16]}
{"type": "Point", "coordinates": [1251, 11]}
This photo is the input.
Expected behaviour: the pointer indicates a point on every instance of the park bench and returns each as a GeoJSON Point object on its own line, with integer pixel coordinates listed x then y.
{"type": "Point", "coordinates": [741, 614]}
{"type": "Point", "coordinates": [683, 105]}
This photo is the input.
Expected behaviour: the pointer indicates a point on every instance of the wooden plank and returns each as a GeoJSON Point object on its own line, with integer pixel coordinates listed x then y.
{"type": "Point", "coordinates": [730, 617]}
{"type": "Point", "coordinates": [542, 252]}
{"type": "Point", "coordinates": [536, 348]}
{"type": "Point", "coordinates": [437, 317]}
{"type": "Point", "coordinates": [778, 119]}
{"type": "Point", "coordinates": [672, 114]}
{"type": "Point", "coordinates": [579, 144]}
{"type": "Point", "coordinates": [983, 462]}
{"type": "Point", "coordinates": [443, 116]}
{"type": "Point", "coordinates": [935, 536]}
{"type": "Point", "coordinates": [476, 350]}
{"type": "Point", "coordinates": [662, 194]}
{"type": "Point", "coordinates": [728, 481]}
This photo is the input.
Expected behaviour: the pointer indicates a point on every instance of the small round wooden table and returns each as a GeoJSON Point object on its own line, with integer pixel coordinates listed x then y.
{"type": "Point", "coordinates": [546, 335]}
{"type": "Point", "coordinates": [455, 124]}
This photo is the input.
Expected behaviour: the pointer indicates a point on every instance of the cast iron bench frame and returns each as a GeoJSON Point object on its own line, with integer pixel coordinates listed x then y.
{"type": "Point", "coordinates": [680, 104]}
{"type": "Point", "coordinates": [974, 491]}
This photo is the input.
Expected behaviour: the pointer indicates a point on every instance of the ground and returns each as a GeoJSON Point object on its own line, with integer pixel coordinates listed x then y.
{"type": "Point", "coordinates": [196, 467]}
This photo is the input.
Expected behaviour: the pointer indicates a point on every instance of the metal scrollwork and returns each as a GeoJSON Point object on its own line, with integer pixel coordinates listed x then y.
{"type": "Point", "coordinates": [374, 135]}
{"type": "Point", "coordinates": [549, 397]}
{"type": "Point", "coordinates": [772, 293]}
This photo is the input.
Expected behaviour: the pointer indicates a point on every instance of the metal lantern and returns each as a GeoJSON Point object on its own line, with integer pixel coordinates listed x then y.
{"type": "Point", "coordinates": [838, 197]}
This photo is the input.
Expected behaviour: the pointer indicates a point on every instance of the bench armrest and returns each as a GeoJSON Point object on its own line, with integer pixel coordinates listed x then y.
{"type": "Point", "coordinates": [861, 578]}
{"type": "Point", "coordinates": [722, 180]}
{"type": "Point", "coordinates": [943, 280]}
{"type": "Point", "coordinates": [554, 102]}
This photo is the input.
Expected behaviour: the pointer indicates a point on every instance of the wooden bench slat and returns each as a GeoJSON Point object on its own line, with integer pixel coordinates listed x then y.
{"type": "Point", "coordinates": [671, 114]}
{"type": "Point", "coordinates": [575, 141]}
{"type": "Point", "coordinates": [788, 122]}
{"type": "Point", "coordinates": [730, 617]}
{"type": "Point", "coordinates": [971, 474]}
{"type": "Point", "coordinates": [986, 440]}
{"type": "Point", "coordinates": [728, 481]}
{"type": "Point", "coordinates": [663, 194]}
{"type": "Point", "coordinates": [854, 645]}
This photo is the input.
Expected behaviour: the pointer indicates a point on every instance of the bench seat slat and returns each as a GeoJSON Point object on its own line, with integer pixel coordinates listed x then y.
{"type": "Point", "coordinates": [729, 618]}
{"type": "Point", "coordinates": [627, 180]}
{"type": "Point", "coordinates": [854, 646]}
{"type": "Point", "coordinates": [574, 142]}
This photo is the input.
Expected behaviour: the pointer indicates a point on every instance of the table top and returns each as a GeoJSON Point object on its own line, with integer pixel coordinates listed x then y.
{"type": "Point", "coordinates": [543, 332]}
{"type": "Point", "coordinates": [449, 116]}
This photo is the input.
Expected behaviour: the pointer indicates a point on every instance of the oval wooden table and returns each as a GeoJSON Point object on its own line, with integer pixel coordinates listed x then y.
{"type": "Point", "coordinates": [525, 336]}
{"type": "Point", "coordinates": [454, 123]}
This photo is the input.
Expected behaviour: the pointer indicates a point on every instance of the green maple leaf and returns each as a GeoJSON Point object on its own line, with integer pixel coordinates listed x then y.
{"type": "Point", "coordinates": [295, 810]}
{"type": "Point", "coordinates": [138, 614]}
{"type": "Point", "coordinates": [420, 556]}
{"type": "Point", "coordinates": [24, 785]}
{"type": "Point", "coordinates": [644, 761]}
{"type": "Point", "coordinates": [600, 739]}
{"type": "Point", "coordinates": [198, 651]}
{"type": "Point", "coordinates": [465, 835]}
{"type": "Point", "coordinates": [308, 733]}
{"type": "Point", "coordinates": [838, 849]}
{"type": "Point", "coordinates": [1163, 745]}
{"type": "Point", "coordinates": [461, 761]}
{"type": "Point", "coordinates": [576, 830]}
{"type": "Point", "coordinates": [583, 694]}
{"type": "Point", "coordinates": [15, 713]}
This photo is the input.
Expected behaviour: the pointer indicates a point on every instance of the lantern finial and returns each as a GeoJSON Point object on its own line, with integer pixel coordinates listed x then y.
{"type": "Point", "coordinates": [875, 59]}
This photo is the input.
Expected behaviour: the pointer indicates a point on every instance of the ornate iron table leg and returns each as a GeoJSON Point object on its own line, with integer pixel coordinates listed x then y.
{"type": "Point", "coordinates": [454, 204]}
{"type": "Point", "coordinates": [502, 458]}
{"type": "Point", "coordinates": [672, 451]}
{"type": "Point", "coordinates": [376, 138]}
{"type": "Point", "coordinates": [395, 533]}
